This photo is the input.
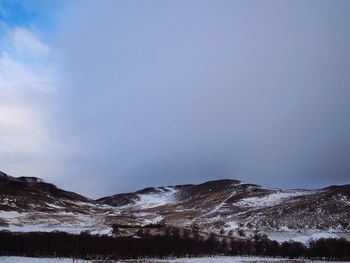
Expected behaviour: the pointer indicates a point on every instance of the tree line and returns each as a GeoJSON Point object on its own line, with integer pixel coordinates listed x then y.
{"type": "Point", "coordinates": [171, 243]}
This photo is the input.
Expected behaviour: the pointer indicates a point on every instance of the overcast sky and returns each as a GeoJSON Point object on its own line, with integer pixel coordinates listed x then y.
{"type": "Point", "coordinates": [102, 97]}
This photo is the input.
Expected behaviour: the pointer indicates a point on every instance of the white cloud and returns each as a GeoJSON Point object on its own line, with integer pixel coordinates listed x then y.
{"type": "Point", "coordinates": [27, 89]}
{"type": "Point", "coordinates": [22, 131]}
{"type": "Point", "coordinates": [16, 77]}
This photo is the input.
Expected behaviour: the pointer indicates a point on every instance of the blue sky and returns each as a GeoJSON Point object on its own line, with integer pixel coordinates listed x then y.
{"type": "Point", "coordinates": [122, 95]}
{"type": "Point", "coordinates": [39, 14]}
{"type": "Point", "coordinates": [39, 18]}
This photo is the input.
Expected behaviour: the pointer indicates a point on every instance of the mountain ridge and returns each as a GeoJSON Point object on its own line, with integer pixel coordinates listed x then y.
{"type": "Point", "coordinates": [227, 206]}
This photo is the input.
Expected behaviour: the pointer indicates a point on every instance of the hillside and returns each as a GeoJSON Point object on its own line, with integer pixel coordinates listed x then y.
{"type": "Point", "coordinates": [229, 207]}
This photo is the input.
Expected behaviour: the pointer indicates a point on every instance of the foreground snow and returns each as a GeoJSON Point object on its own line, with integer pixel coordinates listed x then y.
{"type": "Point", "coordinates": [39, 260]}
{"type": "Point", "coordinates": [233, 260]}
{"type": "Point", "coordinates": [178, 260]}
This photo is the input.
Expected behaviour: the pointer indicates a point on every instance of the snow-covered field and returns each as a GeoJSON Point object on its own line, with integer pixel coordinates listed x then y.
{"type": "Point", "coordinates": [39, 260]}
{"type": "Point", "coordinates": [178, 260]}
{"type": "Point", "coordinates": [234, 260]}
{"type": "Point", "coordinates": [90, 219]}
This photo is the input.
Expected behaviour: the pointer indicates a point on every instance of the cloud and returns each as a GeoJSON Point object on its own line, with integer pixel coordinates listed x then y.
{"type": "Point", "coordinates": [18, 78]}
{"type": "Point", "coordinates": [27, 88]}
{"type": "Point", "coordinates": [159, 93]}
{"type": "Point", "coordinates": [22, 131]}
{"type": "Point", "coordinates": [164, 93]}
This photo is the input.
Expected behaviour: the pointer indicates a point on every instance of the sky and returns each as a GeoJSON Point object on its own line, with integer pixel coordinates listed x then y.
{"type": "Point", "coordinates": [110, 96]}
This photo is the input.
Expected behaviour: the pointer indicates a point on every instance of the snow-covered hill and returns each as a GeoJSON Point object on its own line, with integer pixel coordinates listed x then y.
{"type": "Point", "coordinates": [226, 207]}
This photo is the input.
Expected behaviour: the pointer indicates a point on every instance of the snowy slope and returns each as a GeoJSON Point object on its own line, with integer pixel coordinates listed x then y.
{"type": "Point", "coordinates": [229, 207]}
{"type": "Point", "coordinates": [271, 199]}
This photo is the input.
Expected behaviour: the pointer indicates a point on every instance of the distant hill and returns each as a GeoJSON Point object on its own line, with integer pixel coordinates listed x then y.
{"type": "Point", "coordinates": [229, 207]}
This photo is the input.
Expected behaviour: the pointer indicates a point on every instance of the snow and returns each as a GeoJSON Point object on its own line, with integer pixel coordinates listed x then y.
{"type": "Point", "coordinates": [154, 220]}
{"type": "Point", "coordinates": [54, 206]}
{"type": "Point", "coordinates": [217, 208]}
{"type": "Point", "coordinates": [219, 259]}
{"type": "Point", "coordinates": [11, 202]}
{"type": "Point", "coordinates": [154, 200]}
{"type": "Point", "coordinates": [223, 259]}
{"type": "Point", "coordinates": [48, 222]}
{"type": "Point", "coordinates": [68, 229]}
{"type": "Point", "coordinates": [231, 225]}
{"type": "Point", "coordinates": [39, 260]}
{"type": "Point", "coordinates": [303, 237]}
{"type": "Point", "coordinates": [223, 202]}
{"type": "Point", "coordinates": [345, 199]}
{"type": "Point", "coordinates": [271, 199]}
{"type": "Point", "coordinates": [33, 180]}
{"type": "Point", "coordinates": [10, 214]}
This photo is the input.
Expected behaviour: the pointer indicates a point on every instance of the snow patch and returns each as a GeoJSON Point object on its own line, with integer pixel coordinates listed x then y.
{"type": "Point", "coordinates": [154, 200]}
{"type": "Point", "coordinates": [231, 225]}
{"type": "Point", "coordinates": [303, 237]}
{"type": "Point", "coordinates": [271, 199]}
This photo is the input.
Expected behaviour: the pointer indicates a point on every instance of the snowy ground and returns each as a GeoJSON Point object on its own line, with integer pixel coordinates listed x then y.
{"type": "Point", "coordinates": [304, 237]}
{"type": "Point", "coordinates": [150, 200]}
{"type": "Point", "coordinates": [272, 199]}
{"type": "Point", "coordinates": [179, 260]}
{"type": "Point", "coordinates": [233, 260]}
{"type": "Point", "coordinates": [39, 260]}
